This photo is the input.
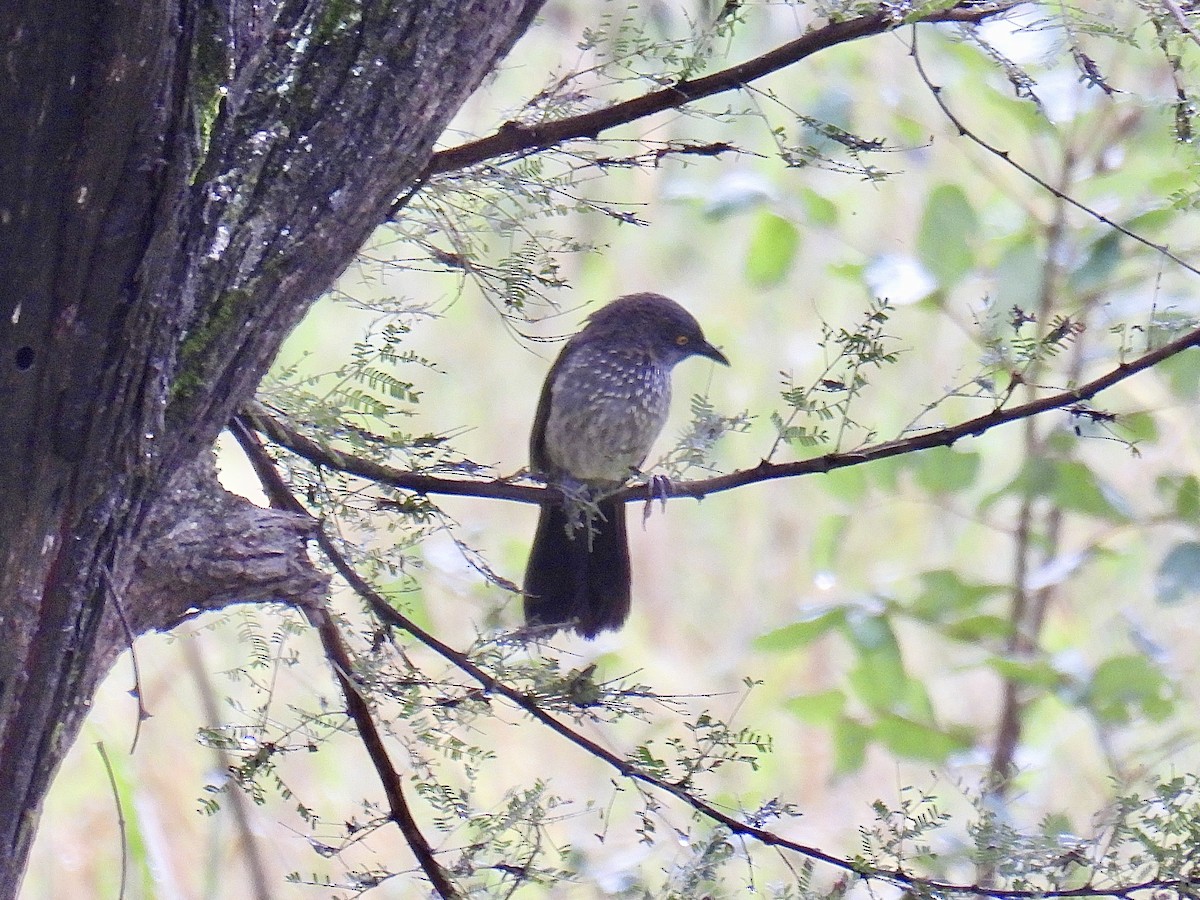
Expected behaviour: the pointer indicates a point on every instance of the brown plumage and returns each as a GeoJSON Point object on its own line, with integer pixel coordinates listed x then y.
{"type": "Point", "coordinates": [604, 402]}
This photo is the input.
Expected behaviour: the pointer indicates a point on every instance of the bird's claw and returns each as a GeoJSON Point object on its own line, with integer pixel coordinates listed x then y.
{"type": "Point", "coordinates": [658, 488]}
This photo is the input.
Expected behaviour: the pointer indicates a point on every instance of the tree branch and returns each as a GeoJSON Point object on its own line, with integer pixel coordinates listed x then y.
{"type": "Point", "coordinates": [265, 466]}
{"type": "Point", "coordinates": [1180, 18]}
{"type": "Point", "coordinates": [343, 670]}
{"type": "Point", "coordinates": [205, 548]}
{"type": "Point", "coordinates": [517, 138]}
{"type": "Point", "coordinates": [360, 712]}
{"type": "Point", "coordinates": [260, 419]}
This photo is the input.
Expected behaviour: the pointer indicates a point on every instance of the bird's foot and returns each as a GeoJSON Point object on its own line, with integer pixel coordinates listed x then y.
{"type": "Point", "coordinates": [658, 488]}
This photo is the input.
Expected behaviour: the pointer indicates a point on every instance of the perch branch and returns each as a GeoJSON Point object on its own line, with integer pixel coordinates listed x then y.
{"type": "Point", "coordinates": [256, 417]}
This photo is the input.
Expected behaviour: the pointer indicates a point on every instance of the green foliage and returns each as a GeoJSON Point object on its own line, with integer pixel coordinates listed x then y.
{"type": "Point", "coordinates": [1069, 484]}
{"type": "Point", "coordinates": [772, 250]}
{"type": "Point", "coordinates": [710, 744]}
{"type": "Point", "coordinates": [1179, 573]}
{"type": "Point", "coordinates": [851, 355]}
{"type": "Point", "coordinates": [948, 230]}
{"type": "Point", "coordinates": [882, 701]}
{"type": "Point", "coordinates": [1125, 687]}
{"type": "Point", "coordinates": [624, 47]}
{"type": "Point", "coordinates": [694, 449]}
{"type": "Point", "coordinates": [819, 143]}
{"type": "Point", "coordinates": [1137, 842]}
{"type": "Point", "coordinates": [1015, 559]}
{"type": "Point", "coordinates": [942, 470]}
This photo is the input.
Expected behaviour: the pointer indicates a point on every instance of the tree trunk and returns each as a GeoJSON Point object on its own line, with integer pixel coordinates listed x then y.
{"type": "Point", "coordinates": [179, 180]}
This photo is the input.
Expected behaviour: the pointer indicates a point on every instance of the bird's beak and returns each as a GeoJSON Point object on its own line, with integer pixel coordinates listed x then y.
{"type": "Point", "coordinates": [707, 349]}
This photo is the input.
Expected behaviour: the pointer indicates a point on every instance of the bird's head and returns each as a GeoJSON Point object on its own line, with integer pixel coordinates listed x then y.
{"type": "Point", "coordinates": [670, 331]}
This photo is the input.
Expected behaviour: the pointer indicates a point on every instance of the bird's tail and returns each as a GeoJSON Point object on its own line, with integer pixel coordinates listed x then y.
{"type": "Point", "coordinates": [578, 575]}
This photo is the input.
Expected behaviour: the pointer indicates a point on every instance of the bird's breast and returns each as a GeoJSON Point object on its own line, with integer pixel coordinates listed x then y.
{"type": "Point", "coordinates": [606, 410]}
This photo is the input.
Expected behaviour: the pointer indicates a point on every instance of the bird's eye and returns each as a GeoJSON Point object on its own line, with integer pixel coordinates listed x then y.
{"type": "Point", "coordinates": [682, 340]}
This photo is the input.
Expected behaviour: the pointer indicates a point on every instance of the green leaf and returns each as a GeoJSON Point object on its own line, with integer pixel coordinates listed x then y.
{"type": "Point", "coordinates": [1033, 672]}
{"type": "Point", "coordinates": [1141, 427]}
{"type": "Point", "coordinates": [942, 470]}
{"type": "Point", "coordinates": [1018, 276]}
{"type": "Point", "coordinates": [870, 632]}
{"type": "Point", "coordinates": [1182, 372]}
{"type": "Point", "coordinates": [799, 634]}
{"type": "Point", "coordinates": [1005, 112]}
{"type": "Point", "coordinates": [879, 678]}
{"type": "Point", "coordinates": [944, 591]}
{"type": "Point", "coordinates": [1099, 265]}
{"type": "Point", "coordinates": [1124, 685]}
{"type": "Point", "coordinates": [886, 472]}
{"type": "Point", "coordinates": [913, 740]}
{"type": "Point", "coordinates": [879, 681]}
{"type": "Point", "coordinates": [772, 250]}
{"type": "Point", "coordinates": [1154, 219]}
{"type": "Point", "coordinates": [849, 746]}
{"type": "Point", "coordinates": [1187, 499]}
{"type": "Point", "coordinates": [818, 209]}
{"type": "Point", "coordinates": [910, 130]}
{"type": "Point", "coordinates": [848, 483]}
{"type": "Point", "coordinates": [947, 232]}
{"type": "Point", "coordinates": [852, 272]}
{"type": "Point", "coordinates": [976, 628]}
{"type": "Point", "coordinates": [827, 542]}
{"type": "Point", "coordinates": [822, 708]}
{"type": "Point", "coordinates": [1071, 484]}
{"type": "Point", "coordinates": [1078, 488]}
{"type": "Point", "coordinates": [1178, 576]}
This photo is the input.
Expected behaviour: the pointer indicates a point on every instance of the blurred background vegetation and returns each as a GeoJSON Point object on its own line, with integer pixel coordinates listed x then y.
{"type": "Point", "coordinates": [900, 632]}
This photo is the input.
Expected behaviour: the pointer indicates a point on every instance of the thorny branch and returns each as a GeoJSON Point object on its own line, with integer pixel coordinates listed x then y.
{"type": "Point", "coordinates": [1180, 18]}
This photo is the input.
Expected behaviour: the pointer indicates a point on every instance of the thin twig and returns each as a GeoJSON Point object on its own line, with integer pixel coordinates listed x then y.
{"type": "Point", "coordinates": [142, 713]}
{"type": "Point", "coordinates": [393, 788]}
{"type": "Point", "coordinates": [256, 416]}
{"type": "Point", "coordinates": [1027, 609]}
{"type": "Point", "coordinates": [1004, 156]}
{"type": "Point", "coordinates": [112, 782]}
{"type": "Point", "coordinates": [255, 864]}
{"type": "Point", "coordinates": [1181, 20]}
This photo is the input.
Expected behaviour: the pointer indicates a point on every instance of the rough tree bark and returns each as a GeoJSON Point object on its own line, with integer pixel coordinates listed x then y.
{"type": "Point", "coordinates": [179, 180]}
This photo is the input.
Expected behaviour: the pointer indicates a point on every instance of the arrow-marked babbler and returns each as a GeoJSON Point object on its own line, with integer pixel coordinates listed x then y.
{"type": "Point", "coordinates": [605, 400]}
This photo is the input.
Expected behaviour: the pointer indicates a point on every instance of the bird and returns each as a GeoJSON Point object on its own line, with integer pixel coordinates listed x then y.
{"type": "Point", "coordinates": [604, 402]}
